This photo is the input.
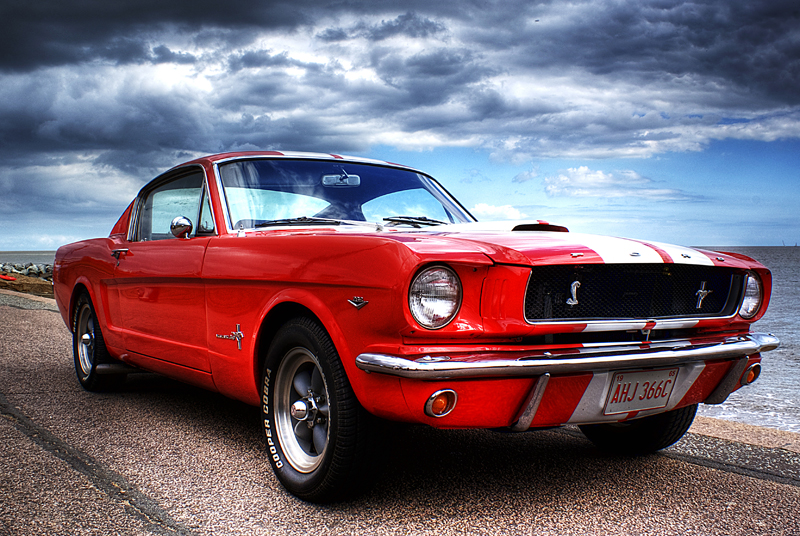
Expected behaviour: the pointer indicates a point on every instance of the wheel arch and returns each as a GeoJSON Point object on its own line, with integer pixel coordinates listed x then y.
{"type": "Point", "coordinates": [79, 288]}
{"type": "Point", "coordinates": [283, 311]}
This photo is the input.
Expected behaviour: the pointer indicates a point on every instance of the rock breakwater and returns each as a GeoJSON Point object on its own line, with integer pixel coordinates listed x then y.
{"type": "Point", "coordinates": [42, 271]}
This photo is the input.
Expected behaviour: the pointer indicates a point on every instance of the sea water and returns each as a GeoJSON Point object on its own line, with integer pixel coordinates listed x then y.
{"type": "Point", "coordinates": [773, 400]}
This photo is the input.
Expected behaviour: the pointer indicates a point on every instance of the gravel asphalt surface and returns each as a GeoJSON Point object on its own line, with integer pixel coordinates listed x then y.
{"type": "Point", "coordinates": [160, 457]}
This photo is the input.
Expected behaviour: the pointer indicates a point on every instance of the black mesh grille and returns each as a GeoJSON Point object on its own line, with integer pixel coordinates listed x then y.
{"type": "Point", "coordinates": [628, 291]}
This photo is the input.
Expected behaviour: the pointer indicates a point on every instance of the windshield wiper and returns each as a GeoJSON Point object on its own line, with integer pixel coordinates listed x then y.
{"type": "Point", "coordinates": [302, 220]}
{"type": "Point", "coordinates": [414, 221]}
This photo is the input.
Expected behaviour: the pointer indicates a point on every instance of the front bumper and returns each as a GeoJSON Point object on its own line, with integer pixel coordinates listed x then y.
{"type": "Point", "coordinates": [588, 358]}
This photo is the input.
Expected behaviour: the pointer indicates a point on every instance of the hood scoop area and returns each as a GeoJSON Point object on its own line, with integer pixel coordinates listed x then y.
{"type": "Point", "coordinates": [540, 226]}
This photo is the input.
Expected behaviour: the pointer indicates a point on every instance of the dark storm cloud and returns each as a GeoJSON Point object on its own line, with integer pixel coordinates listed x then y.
{"type": "Point", "coordinates": [125, 89]}
{"type": "Point", "coordinates": [752, 45]}
{"type": "Point", "coordinates": [47, 33]}
{"type": "Point", "coordinates": [409, 25]}
{"type": "Point", "coordinates": [260, 58]}
{"type": "Point", "coordinates": [429, 77]}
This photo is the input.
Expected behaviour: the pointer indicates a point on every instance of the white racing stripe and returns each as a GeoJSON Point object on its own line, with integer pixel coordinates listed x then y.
{"type": "Point", "coordinates": [684, 255]}
{"type": "Point", "coordinates": [618, 250]}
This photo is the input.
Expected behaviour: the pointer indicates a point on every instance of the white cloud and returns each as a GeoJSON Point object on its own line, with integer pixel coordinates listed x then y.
{"type": "Point", "coordinates": [492, 212]}
{"type": "Point", "coordinates": [584, 182]}
{"type": "Point", "coordinates": [526, 176]}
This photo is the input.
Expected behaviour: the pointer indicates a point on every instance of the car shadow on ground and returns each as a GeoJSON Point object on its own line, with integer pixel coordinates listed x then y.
{"type": "Point", "coordinates": [417, 464]}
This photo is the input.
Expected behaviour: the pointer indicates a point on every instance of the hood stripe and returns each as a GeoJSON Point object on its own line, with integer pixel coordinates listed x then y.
{"type": "Point", "coordinates": [662, 253]}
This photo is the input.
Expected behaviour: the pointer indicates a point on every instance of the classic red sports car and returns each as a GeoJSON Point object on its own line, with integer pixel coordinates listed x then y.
{"type": "Point", "coordinates": [331, 291]}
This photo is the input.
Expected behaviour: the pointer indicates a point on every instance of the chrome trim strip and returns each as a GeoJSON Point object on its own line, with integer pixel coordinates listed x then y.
{"type": "Point", "coordinates": [134, 220]}
{"type": "Point", "coordinates": [587, 359]}
{"type": "Point", "coordinates": [532, 406]}
{"type": "Point", "coordinates": [223, 200]}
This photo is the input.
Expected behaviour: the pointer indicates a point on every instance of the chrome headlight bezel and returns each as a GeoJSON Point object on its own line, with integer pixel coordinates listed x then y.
{"type": "Point", "coordinates": [434, 296]}
{"type": "Point", "coordinates": [753, 296]}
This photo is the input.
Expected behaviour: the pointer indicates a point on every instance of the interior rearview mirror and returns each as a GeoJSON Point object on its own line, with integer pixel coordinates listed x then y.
{"type": "Point", "coordinates": [341, 181]}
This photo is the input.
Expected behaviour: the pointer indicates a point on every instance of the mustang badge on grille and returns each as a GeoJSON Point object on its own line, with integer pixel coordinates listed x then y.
{"type": "Point", "coordinates": [701, 295]}
{"type": "Point", "coordinates": [574, 291]}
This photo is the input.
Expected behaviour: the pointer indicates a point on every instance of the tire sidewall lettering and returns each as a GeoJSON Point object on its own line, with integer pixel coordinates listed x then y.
{"type": "Point", "coordinates": [265, 405]}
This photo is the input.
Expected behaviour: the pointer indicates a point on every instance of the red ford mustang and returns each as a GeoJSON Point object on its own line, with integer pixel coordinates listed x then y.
{"type": "Point", "coordinates": [332, 290]}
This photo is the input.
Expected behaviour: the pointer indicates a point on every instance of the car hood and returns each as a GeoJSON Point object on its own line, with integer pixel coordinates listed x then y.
{"type": "Point", "coordinates": [521, 243]}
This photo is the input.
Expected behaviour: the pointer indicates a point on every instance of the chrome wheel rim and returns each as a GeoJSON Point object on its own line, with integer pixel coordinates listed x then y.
{"type": "Point", "coordinates": [301, 410]}
{"type": "Point", "coordinates": [85, 332]}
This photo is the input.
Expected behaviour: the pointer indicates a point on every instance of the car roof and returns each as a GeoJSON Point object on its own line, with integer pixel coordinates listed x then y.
{"type": "Point", "coordinates": [220, 157]}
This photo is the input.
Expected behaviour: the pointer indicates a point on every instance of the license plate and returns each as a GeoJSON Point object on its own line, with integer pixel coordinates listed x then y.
{"type": "Point", "coordinates": [638, 391]}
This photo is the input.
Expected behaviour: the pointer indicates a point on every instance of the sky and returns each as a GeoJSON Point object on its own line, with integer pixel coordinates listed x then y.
{"type": "Point", "coordinates": [653, 119]}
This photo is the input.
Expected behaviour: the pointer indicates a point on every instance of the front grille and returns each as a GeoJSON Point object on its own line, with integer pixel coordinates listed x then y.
{"type": "Point", "coordinates": [631, 291]}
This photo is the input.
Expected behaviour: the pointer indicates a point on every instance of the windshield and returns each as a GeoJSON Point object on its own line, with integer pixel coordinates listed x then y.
{"type": "Point", "coordinates": [264, 192]}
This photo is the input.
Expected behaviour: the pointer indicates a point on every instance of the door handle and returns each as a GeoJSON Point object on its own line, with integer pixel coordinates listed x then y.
{"type": "Point", "coordinates": [117, 252]}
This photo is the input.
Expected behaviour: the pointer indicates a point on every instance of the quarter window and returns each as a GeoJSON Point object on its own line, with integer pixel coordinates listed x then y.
{"type": "Point", "coordinates": [206, 225]}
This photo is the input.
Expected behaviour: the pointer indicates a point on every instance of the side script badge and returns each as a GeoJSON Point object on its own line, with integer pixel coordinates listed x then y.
{"type": "Point", "coordinates": [234, 336]}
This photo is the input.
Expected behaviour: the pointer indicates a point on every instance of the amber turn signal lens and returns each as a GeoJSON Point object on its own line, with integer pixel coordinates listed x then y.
{"type": "Point", "coordinates": [751, 374]}
{"type": "Point", "coordinates": [441, 403]}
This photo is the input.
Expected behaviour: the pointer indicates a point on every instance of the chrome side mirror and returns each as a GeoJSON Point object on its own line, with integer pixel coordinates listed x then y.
{"type": "Point", "coordinates": [181, 227]}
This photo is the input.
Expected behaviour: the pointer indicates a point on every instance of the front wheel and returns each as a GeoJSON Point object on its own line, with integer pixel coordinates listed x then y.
{"type": "Point", "coordinates": [641, 436]}
{"type": "Point", "coordinates": [89, 348]}
{"type": "Point", "coordinates": [316, 431]}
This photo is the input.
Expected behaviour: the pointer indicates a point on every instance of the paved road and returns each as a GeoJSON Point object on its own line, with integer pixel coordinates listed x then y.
{"type": "Point", "coordinates": [159, 457]}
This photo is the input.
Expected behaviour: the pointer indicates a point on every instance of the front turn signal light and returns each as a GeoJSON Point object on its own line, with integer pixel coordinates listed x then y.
{"type": "Point", "coordinates": [751, 374]}
{"type": "Point", "coordinates": [441, 403]}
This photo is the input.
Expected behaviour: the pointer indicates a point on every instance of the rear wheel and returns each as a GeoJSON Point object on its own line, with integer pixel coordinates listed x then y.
{"type": "Point", "coordinates": [316, 431]}
{"type": "Point", "coordinates": [641, 436]}
{"type": "Point", "coordinates": [89, 349]}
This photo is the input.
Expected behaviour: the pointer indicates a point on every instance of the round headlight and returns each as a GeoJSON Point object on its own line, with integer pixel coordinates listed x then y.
{"type": "Point", "coordinates": [434, 297]}
{"type": "Point", "coordinates": [752, 297]}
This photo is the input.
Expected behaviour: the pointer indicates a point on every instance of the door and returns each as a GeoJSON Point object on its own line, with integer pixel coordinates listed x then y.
{"type": "Point", "coordinates": [161, 293]}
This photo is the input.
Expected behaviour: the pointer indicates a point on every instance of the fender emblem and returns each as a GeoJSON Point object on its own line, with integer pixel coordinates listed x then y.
{"type": "Point", "coordinates": [574, 291]}
{"type": "Point", "coordinates": [234, 336]}
{"type": "Point", "coordinates": [701, 294]}
{"type": "Point", "coordinates": [357, 301]}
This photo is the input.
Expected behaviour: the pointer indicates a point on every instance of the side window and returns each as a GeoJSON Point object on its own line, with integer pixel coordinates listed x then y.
{"type": "Point", "coordinates": [180, 197]}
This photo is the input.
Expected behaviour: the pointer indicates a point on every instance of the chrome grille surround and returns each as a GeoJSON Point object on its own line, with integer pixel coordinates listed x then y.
{"type": "Point", "coordinates": [615, 292]}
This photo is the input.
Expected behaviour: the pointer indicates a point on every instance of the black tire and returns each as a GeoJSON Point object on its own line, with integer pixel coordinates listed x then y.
{"type": "Point", "coordinates": [641, 436]}
{"type": "Point", "coordinates": [89, 349]}
{"type": "Point", "coordinates": [328, 459]}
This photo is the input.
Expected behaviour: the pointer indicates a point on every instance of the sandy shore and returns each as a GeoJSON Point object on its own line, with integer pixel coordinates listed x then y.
{"type": "Point", "coordinates": [28, 285]}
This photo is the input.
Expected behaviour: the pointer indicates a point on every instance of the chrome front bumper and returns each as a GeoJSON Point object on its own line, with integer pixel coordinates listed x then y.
{"type": "Point", "coordinates": [589, 358]}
